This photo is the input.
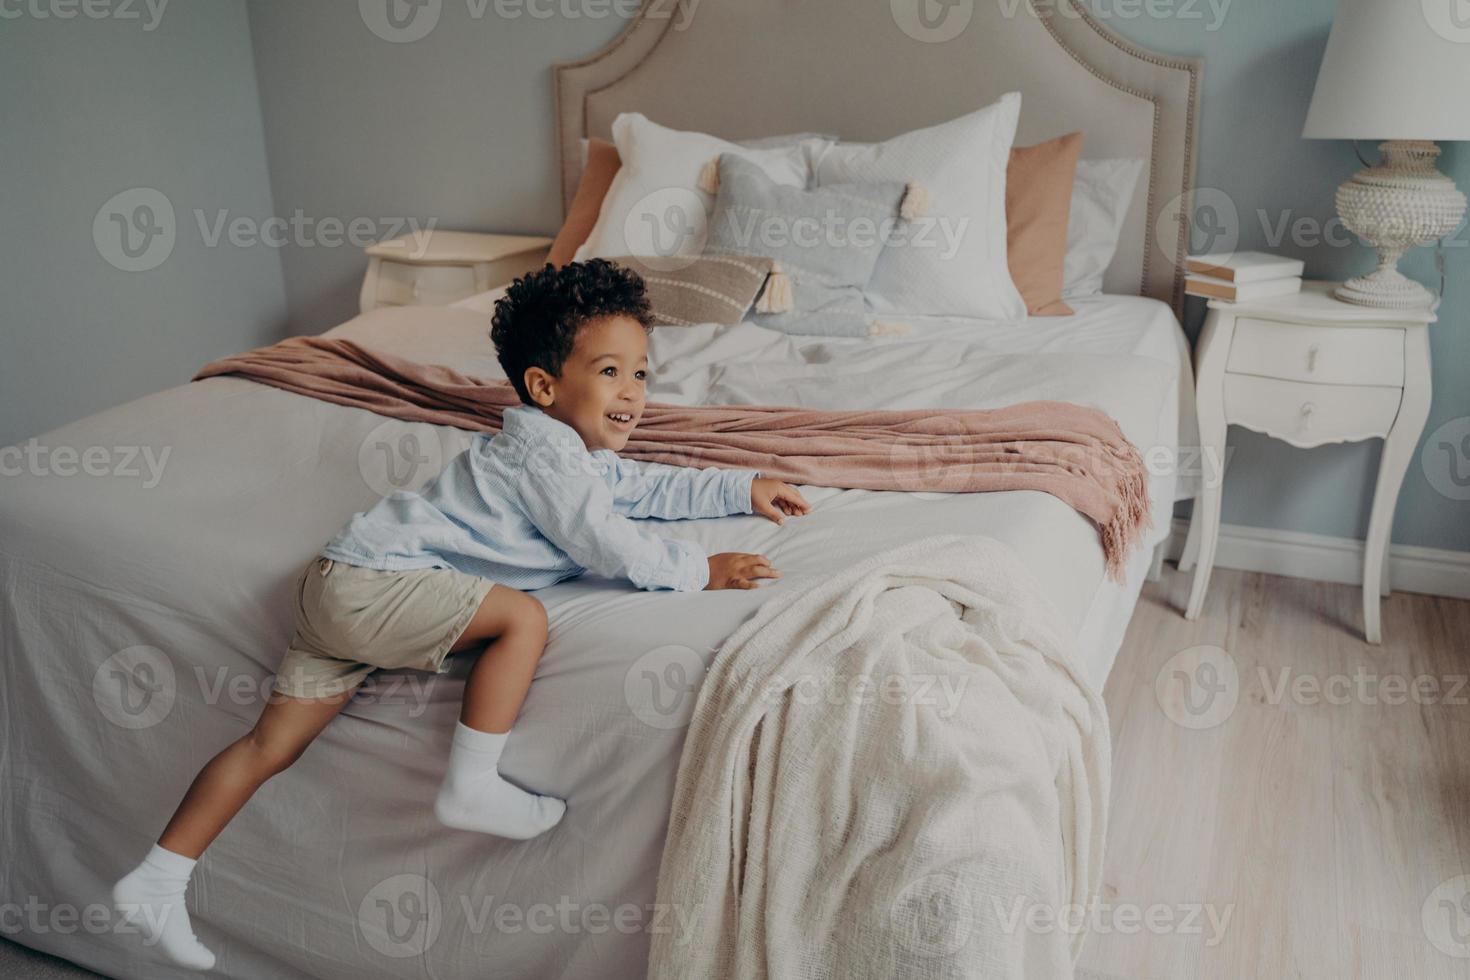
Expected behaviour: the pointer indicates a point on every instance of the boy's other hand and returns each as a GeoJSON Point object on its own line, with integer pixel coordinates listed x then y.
{"type": "Point", "coordinates": [777, 501]}
{"type": "Point", "coordinates": [733, 570]}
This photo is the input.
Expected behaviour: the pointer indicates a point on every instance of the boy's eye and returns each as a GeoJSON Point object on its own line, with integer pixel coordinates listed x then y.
{"type": "Point", "coordinates": [641, 375]}
{"type": "Point", "coordinates": [610, 371]}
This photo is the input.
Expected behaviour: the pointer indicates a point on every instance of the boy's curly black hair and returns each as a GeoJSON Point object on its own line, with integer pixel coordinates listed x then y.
{"type": "Point", "coordinates": [537, 320]}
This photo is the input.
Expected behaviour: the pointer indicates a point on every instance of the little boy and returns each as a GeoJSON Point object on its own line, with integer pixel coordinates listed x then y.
{"type": "Point", "coordinates": [423, 575]}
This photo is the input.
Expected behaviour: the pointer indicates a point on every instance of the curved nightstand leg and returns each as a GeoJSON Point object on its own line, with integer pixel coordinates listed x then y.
{"type": "Point", "coordinates": [1214, 347]}
{"type": "Point", "coordinates": [1385, 587]}
{"type": "Point", "coordinates": [1205, 524]}
{"type": "Point", "coordinates": [1190, 555]}
{"type": "Point", "coordinates": [1398, 451]}
{"type": "Point", "coordinates": [1385, 494]}
{"type": "Point", "coordinates": [1207, 519]}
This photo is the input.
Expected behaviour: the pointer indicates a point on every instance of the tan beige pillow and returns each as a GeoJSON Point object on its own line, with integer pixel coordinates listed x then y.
{"type": "Point", "coordinates": [597, 176]}
{"type": "Point", "coordinates": [1038, 201]}
{"type": "Point", "coordinates": [710, 289]}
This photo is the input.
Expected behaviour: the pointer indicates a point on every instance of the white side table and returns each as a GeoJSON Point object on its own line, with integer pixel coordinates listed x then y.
{"type": "Point", "coordinates": [436, 268]}
{"type": "Point", "coordinates": [1309, 369]}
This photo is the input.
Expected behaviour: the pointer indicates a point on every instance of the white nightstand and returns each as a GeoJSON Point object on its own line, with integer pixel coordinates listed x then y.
{"type": "Point", "coordinates": [436, 268]}
{"type": "Point", "coordinates": [1308, 369]}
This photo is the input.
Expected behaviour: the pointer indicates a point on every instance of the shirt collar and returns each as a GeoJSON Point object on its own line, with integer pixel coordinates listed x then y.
{"type": "Point", "coordinates": [530, 422]}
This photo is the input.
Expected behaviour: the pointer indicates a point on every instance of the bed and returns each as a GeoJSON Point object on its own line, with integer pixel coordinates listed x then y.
{"type": "Point", "coordinates": [141, 617]}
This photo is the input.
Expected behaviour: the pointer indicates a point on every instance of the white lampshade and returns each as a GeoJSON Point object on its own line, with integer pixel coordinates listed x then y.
{"type": "Point", "coordinates": [1394, 70]}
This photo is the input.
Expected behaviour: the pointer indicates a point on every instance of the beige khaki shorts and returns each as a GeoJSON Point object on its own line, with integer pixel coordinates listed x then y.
{"type": "Point", "coordinates": [350, 621]}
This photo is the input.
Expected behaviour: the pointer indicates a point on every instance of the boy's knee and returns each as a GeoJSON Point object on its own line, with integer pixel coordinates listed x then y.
{"type": "Point", "coordinates": [530, 615]}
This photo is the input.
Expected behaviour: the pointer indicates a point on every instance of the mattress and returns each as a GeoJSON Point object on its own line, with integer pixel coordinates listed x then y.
{"type": "Point", "coordinates": [143, 616]}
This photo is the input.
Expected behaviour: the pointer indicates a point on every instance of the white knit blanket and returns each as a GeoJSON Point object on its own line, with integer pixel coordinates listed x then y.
{"type": "Point", "coordinates": [896, 773]}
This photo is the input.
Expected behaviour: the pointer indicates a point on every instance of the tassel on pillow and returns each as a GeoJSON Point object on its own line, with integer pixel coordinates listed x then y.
{"type": "Point", "coordinates": [889, 328]}
{"type": "Point", "coordinates": [915, 203]}
{"type": "Point", "coordinates": [709, 177]}
{"type": "Point", "coordinates": [776, 297]}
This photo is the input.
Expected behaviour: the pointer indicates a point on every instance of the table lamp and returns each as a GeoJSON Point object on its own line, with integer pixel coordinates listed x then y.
{"type": "Point", "coordinates": [1395, 70]}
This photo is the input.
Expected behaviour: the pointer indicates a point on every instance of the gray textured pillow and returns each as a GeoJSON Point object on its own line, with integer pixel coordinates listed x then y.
{"type": "Point", "coordinates": [706, 289]}
{"type": "Point", "coordinates": [825, 241]}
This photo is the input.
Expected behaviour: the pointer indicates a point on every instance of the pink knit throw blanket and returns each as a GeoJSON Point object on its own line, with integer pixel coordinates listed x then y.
{"type": "Point", "coordinates": [1076, 454]}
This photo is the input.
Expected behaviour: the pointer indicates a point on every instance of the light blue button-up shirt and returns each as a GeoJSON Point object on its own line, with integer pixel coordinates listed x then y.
{"type": "Point", "coordinates": [531, 507]}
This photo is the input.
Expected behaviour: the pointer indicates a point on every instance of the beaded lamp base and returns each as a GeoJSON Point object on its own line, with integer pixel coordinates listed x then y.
{"type": "Point", "coordinates": [1402, 202]}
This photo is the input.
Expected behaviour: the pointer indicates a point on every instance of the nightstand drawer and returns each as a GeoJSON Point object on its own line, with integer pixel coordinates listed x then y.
{"type": "Point", "coordinates": [1321, 355]}
{"type": "Point", "coordinates": [1309, 414]}
{"type": "Point", "coordinates": [423, 285]}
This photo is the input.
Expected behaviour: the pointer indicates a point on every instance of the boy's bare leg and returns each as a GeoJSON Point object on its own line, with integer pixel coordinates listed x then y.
{"type": "Point", "coordinates": [474, 796]}
{"type": "Point", "coordinates": [282, 732]}
{"type": "Point", "coordinates": [498, 683]}
{"type": "Point", "coordinates": [152, 895]}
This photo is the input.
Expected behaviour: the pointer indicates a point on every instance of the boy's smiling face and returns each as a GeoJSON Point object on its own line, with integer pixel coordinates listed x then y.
{"type": "Point", "coordinates": [601, 389]}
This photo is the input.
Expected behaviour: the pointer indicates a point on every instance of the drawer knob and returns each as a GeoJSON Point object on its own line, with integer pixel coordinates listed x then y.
{"type": "Point", "coordinates": [1307, 409]}
{"type": "Point", "coordinates": [1312, 353]}
{"type": "Point", "coordinates": [417, 285]}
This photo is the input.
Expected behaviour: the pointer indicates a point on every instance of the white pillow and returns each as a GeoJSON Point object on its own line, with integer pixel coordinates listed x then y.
{"type": "Point", "coordinates": [1100, 197]}
{"type": "Point", "coordinates": [655, 207]}
{"type": "Point", "coordinates": [952, 259]}
{"type": "Point", "coordinates": [818, 140]}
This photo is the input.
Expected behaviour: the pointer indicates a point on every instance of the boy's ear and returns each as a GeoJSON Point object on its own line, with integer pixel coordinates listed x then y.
{"type": "Point", "coordinates": [540, 385]}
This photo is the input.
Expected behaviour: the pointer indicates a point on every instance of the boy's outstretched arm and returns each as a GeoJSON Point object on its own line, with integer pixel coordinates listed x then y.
{"type": "Point", "coordinates": [574, 509]}
{"type": "Point", "coordinates": [678, 492]}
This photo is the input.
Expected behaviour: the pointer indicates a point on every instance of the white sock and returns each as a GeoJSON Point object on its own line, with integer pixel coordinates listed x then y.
{"type": "Point", "coordinates": [474, 797]}
{"type": "Point", "coordinates": [151, 898]}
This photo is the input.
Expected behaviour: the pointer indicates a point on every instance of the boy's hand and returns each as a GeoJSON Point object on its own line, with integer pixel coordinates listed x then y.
{"type": "Point", "coordinates": [776, 500]}
{"type": "Point", "coordinates": [733, 570]}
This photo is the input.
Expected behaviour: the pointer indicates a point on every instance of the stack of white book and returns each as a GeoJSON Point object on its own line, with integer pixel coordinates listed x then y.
{"type": "Point", "coordinates": [1242, 276]}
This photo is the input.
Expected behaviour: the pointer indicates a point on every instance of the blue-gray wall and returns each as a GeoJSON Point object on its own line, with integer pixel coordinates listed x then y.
{"type": "Point", "coordinates": [93, 108]}
{"type": "Point", "coordinates": [457, 128]}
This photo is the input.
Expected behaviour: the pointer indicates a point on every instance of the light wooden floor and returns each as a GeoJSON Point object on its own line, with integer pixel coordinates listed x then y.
{"type": "Point", "coordinates": [1328, 824]}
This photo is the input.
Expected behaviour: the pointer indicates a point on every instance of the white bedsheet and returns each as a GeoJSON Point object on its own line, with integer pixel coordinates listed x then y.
{"type": "Point", "coordinates": [325, 872]}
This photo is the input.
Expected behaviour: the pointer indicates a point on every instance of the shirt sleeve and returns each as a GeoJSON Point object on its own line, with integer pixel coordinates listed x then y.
{"type": "Point", "coordinates": [677, 492]}
{"type": "Point", "coordinates": [571, 503]}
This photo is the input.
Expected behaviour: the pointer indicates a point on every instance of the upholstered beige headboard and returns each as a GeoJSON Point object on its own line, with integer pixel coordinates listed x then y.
{"type": "Point", "coordinates": [870, 69]}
